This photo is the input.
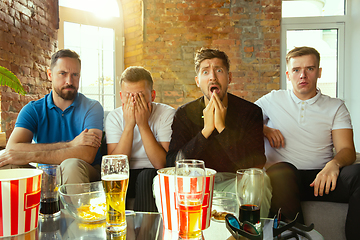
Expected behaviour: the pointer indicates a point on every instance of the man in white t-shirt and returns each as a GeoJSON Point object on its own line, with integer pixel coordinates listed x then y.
{"type": "Point", "coordinates": [140, 129]}
{"type": "Point", "coordinates": [301, 128]}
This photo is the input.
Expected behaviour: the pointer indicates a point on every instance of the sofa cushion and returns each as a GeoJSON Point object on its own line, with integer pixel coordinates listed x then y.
{"type": "Point", "coordinates": [328, 218]}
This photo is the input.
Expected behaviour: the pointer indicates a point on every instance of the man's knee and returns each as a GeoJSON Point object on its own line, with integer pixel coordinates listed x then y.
{"type": "Point", "coordinates": [351, 176]}
{"type": "Point", "coordinates": [351, 170]}
{"type": "Point", "coordinates": [72, 164]}
{"type": "Point", "coordinates": [146, 176]}
{"type": "Point", "coordinates": [282, 172]}
{"type": "Point", "coordinates": [284, 179]}
{"type": "Point", "coordinates": [144, 200]}
{"type": "Point", "coordinates": [74, 171]}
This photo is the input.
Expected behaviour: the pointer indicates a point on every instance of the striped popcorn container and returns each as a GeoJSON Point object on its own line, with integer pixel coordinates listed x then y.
{"type": "Point", "coordinates": [168, 198]}
{"type": "Point", "coordinates": [20, 191]}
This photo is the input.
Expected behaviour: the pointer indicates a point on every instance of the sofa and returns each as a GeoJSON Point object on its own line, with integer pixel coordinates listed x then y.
{"type": "Point", "coordinates": [328, 217]}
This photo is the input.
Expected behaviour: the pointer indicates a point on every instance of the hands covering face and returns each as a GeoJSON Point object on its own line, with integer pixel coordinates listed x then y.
{"type": "Point", "coordinates": [214, 116]}
{"type": "Point", "coordinates": [136, 110]}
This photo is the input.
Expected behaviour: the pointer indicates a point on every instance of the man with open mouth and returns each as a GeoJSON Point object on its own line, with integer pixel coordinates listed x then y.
{"type": "Point", "coordinates": [220, 128]}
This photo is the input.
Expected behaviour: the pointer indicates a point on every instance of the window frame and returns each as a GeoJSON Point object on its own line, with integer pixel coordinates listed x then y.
{"type": "Point", "coordinates": [87, 18]}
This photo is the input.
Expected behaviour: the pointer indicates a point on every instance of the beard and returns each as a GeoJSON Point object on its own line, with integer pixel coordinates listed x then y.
{"type": "Point", "coordinates": [68, 95]}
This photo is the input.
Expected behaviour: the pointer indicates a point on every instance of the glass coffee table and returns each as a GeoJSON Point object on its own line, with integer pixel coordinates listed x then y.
{"type": "Point", "coordinates": [140, 226]}
{"type": "Point", "coordinates": [218, 230]}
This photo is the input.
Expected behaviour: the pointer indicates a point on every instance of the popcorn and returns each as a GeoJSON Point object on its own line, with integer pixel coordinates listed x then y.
{"type": "Point", "coordinates": [92, 211]}
{"type": "Point", "coordinates": [218, 215]}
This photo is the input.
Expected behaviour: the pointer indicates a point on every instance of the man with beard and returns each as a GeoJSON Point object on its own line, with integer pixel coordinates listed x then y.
{"type": "Point", "coordinates": [221, 129]}
{"type": "Point", "coordinates": [64, 127]}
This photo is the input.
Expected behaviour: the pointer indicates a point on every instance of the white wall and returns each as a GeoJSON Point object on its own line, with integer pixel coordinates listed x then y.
{"type": "Point", "coordinates": [352, 66]}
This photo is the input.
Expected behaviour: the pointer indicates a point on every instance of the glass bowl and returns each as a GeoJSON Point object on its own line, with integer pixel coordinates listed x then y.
{"type": "Point", "coordinates": [222, 204]}
{"type": "Point", "coordinates": [85, 202]}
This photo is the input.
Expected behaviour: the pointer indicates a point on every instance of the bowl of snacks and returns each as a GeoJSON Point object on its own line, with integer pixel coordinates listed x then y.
{"type": "Point", "coordinates": [85, 202]}
{"type": "Point", "coordinates": [222, 204]}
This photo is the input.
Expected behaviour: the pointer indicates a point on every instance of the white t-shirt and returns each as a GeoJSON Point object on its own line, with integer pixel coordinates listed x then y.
{"type": "Point", "coordinates": [305, 125]}
{"type": "Point", "coordinates": [160, 122]}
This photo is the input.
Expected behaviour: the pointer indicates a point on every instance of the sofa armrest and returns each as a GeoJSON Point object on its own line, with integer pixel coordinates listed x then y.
{"type": "Point", "coordinates": [357, 161]}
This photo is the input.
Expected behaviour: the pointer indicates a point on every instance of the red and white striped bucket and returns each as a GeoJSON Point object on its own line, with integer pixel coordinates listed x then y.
{"type": "Point", "coordinates": [168, 198]}
{"type": "Point", "coordinates": [20, 191]}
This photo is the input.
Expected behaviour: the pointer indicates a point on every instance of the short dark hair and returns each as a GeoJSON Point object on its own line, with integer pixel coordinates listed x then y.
{"type": "Point", "coordinates": [62, 54]}
{"type": "Point", "coordinates": [302, 51]}
{"type": "Point", "coordinates": [207, 53]}
{"type": "Point", "coordinates": [136, 74]}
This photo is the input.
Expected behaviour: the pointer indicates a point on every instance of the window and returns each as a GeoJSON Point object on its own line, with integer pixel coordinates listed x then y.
{"type": "Point", "coordinates": [107, 8]}
{"type": "Point", "coordinates": [95, 45]}
{"type": "Point", "coordinates": [312, 8]}
{"type": "Point", "coordinates": [323, 32]}
{"type": "Point", "coordinates": [326, 42]}
{"type": "Point", "coordinates": [95, 32]}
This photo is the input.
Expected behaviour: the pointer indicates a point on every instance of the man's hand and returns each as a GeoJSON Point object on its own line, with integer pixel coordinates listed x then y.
{"type": "Point", "coordinates": [325, 178]}
{"type": "Point", "coordinates": [209, 121]}
{"type": "Point", "coordinates": [220, 113]}
{"type": "Point", "coordinates": [86, 138]}
{"type": "Point", "coordinates": [142, 110]}
{"type": "Point", "coordinates": [15, 157]}
{"type": "Point", "coordinates": [128, 108]}
{"type": "Point", "coordinates": [276, 139]}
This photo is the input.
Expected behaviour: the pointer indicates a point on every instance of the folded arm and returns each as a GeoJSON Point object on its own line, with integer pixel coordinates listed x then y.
{"type": "Point", "coordinates": [20, 150]}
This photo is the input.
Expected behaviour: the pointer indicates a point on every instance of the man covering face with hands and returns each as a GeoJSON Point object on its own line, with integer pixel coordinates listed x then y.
{"type": "Point", "coordinates": [140, 129]}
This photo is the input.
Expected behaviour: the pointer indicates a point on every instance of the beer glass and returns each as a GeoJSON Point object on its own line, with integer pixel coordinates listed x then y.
{"type": "Point", "coordinates": [51, 181]}
{"type": "Point", "coordinates": [115, 178]}
{"type": "Point", "coordinates": [189, 189]}
{"type": "Point", "coordinates": [249, 192]}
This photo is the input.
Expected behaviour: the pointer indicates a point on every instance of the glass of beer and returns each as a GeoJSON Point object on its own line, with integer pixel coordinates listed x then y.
{"type": "Point", "coordinates": [115, 178]}
{"type": "Point", "coordinates": [189, 189]}
{"type": "Point", "coordinates": [249, 192]}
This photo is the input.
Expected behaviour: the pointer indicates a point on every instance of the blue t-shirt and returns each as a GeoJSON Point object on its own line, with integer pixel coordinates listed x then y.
{"type": "Point", "coordinates": [49, 124]}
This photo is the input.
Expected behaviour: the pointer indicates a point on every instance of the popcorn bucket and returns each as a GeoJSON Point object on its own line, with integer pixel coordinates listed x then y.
{"type": "Point", "coordinates": [168, 198]}
{"type": "Point", "coordinates": [170, 235]}
{"type": "Point", "coordinates": [20, 191]}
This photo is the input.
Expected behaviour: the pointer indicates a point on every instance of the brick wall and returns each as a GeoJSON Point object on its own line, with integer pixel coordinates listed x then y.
{"type": "Point", "coordinates": [133, 25]}
{"type": "Point", "coordinates": [247, 30]}
{"type": "Point", "coordinates": [28, 37]}
{"type": "Point", "coordinates": [161, 35]}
